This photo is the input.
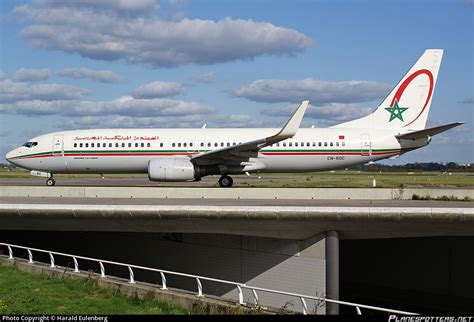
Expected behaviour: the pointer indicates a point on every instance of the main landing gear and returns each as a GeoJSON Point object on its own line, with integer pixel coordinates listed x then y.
{"type": "Point", "coordinates": [50, 181]}
{"type": "Point", "coordinates": [226, 182]}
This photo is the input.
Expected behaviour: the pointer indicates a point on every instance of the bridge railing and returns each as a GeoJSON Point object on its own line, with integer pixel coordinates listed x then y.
{"type": "Point", "coordinates": [255, 290]}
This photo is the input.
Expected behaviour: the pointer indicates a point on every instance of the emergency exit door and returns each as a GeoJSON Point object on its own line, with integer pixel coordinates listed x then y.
{"type": "Point", "coordinates": [58, 146]}
{"type": "Point", "coordinates": [365, 145]}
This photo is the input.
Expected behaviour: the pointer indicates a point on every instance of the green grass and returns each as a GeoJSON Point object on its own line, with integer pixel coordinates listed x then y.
{"type": "Point", "coordinates": [24, 293]}
{"type": "Point", "coordinates": [363, 179]}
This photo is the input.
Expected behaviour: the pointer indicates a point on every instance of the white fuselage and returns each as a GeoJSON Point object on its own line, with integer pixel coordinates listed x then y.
{"type": "Point", "coordinates": [130, 150]}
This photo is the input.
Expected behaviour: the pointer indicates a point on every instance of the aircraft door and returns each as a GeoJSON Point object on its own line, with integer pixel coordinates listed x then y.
{"type": "Point", "coordinates": [58, 146]}
{"type": "Point", "coordinates": [365, 145]}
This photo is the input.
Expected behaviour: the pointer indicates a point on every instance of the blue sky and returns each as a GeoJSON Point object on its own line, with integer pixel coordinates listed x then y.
{"type": "Point", "coordinates": [175, 63]}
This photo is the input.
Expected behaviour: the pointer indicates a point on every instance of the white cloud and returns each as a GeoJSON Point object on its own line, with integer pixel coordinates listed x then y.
{"type": "Point", "coordinates": [29, 74]}
{"type": "Point", "coordinates": [317, 91]}
{"type": "Point", "coordinates": [235, 120]}
{"type": "Point", "coordinates": [91, 32]}
{"type": "Point", "coordinates": [117, 121]}
{"type": "Point", "coordinates": [158, 89]}
{"type": "Point", "coordinates": [120, 6]}
{"type": "Point", "coordinates": [328, 114]}
{"type": "Point", "coordinates": [17, 91]}
{"type": "Point", "coordinates": [123, 106]}
{"type": "Point", "coordinates": [129, 106]}
{"type": "Point", "coordinates": [2, 75]}
{"type": "Point", "coordinates": [103, 76]}
{"type": "Point", "coordinates": [206, 78]}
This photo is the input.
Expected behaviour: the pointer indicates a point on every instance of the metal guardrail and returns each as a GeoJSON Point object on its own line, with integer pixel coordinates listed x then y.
{"type": "Point", "coordinates": [240, 286]}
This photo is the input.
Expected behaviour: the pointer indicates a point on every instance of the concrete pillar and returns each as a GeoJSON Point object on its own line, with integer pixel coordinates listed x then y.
{"type": "Point", "coordinates": [332, 271]}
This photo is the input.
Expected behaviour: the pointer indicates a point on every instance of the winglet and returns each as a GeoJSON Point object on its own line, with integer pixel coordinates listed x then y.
{"type": "Point", "coordinates": [293, 123]}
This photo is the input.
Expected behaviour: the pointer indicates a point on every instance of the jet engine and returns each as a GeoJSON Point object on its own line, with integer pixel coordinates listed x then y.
{"type": "Point", "coordinates": [171, 169]}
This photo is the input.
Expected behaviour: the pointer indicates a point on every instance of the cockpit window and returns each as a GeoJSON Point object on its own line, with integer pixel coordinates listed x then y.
{"type": "Point", "coordinates": [30, 144]}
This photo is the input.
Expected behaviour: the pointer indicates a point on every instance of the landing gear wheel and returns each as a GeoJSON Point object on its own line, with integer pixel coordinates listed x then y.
{"type": "Point", "coordinates": [50, 182]}
{"type": "Point", "coordinates": [226, 182]}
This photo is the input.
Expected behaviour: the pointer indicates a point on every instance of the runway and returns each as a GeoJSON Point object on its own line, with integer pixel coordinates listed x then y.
{"type": "Point", "coordinates": [131, 182]}
{"type": "Point", "coordinates": [238, 202]}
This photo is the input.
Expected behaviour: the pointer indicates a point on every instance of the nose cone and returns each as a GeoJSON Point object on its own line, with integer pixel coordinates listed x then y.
{"type": "Point", "coordinates": [11, 156]}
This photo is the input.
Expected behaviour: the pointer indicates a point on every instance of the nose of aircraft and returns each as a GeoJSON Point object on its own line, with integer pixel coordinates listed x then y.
{"type": "Point", "coordinates": [10, 155]}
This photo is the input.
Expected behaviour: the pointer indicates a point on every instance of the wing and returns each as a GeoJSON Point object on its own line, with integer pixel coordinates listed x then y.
{"type": "Point", "coordinates": [240, 155]}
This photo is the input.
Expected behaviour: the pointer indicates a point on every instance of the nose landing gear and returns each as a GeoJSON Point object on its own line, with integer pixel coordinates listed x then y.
{"type": "Point", "coordinates": [226, 182]}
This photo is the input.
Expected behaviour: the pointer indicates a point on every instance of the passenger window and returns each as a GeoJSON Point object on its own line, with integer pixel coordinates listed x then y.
{"type": "Point", "coordinates": [161, 145]}
{"type": "Point", "coordinates": [110, 145]}
{"type": "Point", "coordinates": [92, 145]}
{"type": "Point", "coordinates": [80, 145]}
{"type": "Point", "coordinates": [216, 144]}
{"type": "Point", "coordinates": [202, 144]}
{"type": "Point", "coordinates": [290, 144]}
{"type": "Point", "coordinates": [173, 145]}
{"type": "Point", "coordinates": [296, 143]}
{"type": "Point", "coordinates": [343, 143]}
{"type": "Point", "coordinates": [142, 145]}
{"type": "Point", "coordinates": [331, 144]}
{"type": "Point", "coordinates": [191, 144]}
{"type": "Point", "coordinates": [284, 143]}
{"type": "Point", "coordinates": [116, 145]}
{"type": "Point", "coordinates": [278, 144]}
{"type": "Point", "coordinates": [233, 143]}
{"type": "Point", "coordinates": [209, 144]}
{"type": "Point", "coordinates": [228, 144]}
{"type": "Point", "coordinates": [87, 145]}
{"type": "Point", "coordinates": [319, 143]}
{"type": "Point", "coordinates": [337, 143]}
{"type": "Point", "coordinates": [136, 144]}
{"type": "Point", "coordinates": [75, 145]}
{"type": "Point", "coordinates": [222, 143]}
{"type": "Point", "coordinates": [325, 144]}
{"type": "Point", "coordinates": [123, 144]}
{"type": "Point", "coordinates": [184, 144]}
{"type": "Point", "coordinates": [314, 143]}
{"type": "Point", "coordinates": [129, 145]}
{"type": "Point", "coordinates": [148, 144]}
{"type": "Point", "coordinates": [179, 145]}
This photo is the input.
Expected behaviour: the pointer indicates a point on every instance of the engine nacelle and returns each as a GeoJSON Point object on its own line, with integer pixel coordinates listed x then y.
{"type": "Point", "coordinates": [170, 169]}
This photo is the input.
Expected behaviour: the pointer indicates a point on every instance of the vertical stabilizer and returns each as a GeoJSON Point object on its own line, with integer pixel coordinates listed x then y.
{"type": "Point", "coordinates": [408, 104]}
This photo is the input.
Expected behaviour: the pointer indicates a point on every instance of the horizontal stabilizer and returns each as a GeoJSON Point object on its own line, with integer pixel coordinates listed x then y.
{"type": "Point", "coordinates": [427, 132]}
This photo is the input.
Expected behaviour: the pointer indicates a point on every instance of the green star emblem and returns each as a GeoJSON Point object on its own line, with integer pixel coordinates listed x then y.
{"type": "Point", "coordinates": [396, 112]}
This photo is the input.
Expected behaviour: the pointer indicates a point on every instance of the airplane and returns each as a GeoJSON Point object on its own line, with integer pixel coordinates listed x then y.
{"type": "Point", "coordinates": [397, 126]}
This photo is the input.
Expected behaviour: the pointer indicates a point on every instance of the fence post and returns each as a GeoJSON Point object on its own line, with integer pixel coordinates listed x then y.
{"type": "Point", "coordinates": [305, 307]}
{"type": "Point", "coordinates": [30, 256]}
{"type": "Point", "coordinates": [132, 279]}
{"type": "Point", "coordinates": [241, 295]}
{"type": "Point", "coordinates": [163, 281]}
{"type": "Point", "coordinates": [52, 260]}
{"type": "Point", "coordinates": [102, 269]}
{"type": "Point", "coordinates": [76, 265]}
{"type": "Point", "coordinates": [10, 252]}
{"type": "Point", "coordinates": [255, 296]}
{"type": "Point", "coordinates": [199, 287]}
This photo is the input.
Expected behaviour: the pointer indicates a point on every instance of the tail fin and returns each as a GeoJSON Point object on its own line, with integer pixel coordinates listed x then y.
{"type": "Point", "coordinates": [408, 104]}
